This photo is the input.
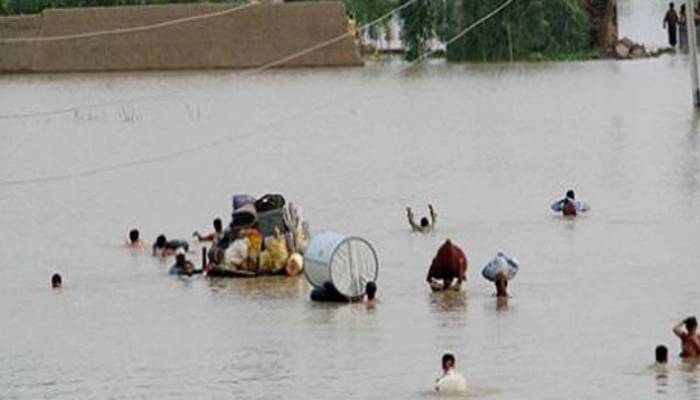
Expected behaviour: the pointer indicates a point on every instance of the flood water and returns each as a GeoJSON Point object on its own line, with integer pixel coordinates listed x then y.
{"type": "Point", "coordinates": [489, 145]}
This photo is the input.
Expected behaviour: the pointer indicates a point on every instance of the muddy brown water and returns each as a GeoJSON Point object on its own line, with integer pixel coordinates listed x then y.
{"type": "Point", "coordinates": [490, 145]}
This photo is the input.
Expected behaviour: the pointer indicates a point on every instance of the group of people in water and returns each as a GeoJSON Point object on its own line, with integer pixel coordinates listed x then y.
{"type": "Point", "coordinates": [687, 332]}
{"type": "Point", "coordinates": [447, 271]}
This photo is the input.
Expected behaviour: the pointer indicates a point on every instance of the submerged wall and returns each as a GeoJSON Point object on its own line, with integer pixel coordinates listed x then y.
{"type": "Point", "coordinates": [250, 37]}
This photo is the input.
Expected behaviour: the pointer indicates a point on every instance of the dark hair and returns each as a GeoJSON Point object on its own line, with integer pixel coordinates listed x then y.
{"type": "Point", "coordinates": [134, 235]}
{"type": "Point", "coordinates": [661, 354]}
{"type": "Point", "coordinates": [56, 280]}
{"type": "Point", "coordinates": [371, 289]}
{"type": "Point", "coordinates": [217, 225]}
{"type": "Point", "coordinates": [570, 194]}
{"type": "Point", "coordinates": [448, 358]}
{"type": "Point", "coordinates": [671, 4]}
{"type": "Point", "coordinates": [691, 323]}
{"type": "Point", "coordinates": [160, 242]}
{"type": "Point", "coordinates": [424, 222]}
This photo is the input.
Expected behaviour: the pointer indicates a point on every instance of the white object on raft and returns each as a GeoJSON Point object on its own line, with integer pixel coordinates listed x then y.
{"type": "Point", "coordinates": [581, 206]}
{"type": "Point", "coordinates": [500, 263]}
{"type": "Point", "coordinates": [346, 262]}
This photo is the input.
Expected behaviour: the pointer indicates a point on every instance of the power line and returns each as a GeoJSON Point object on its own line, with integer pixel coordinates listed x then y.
{"type": "Point", "coordinates": [256, 70]}
{"type": "Point", "coordinates": [173, 155]}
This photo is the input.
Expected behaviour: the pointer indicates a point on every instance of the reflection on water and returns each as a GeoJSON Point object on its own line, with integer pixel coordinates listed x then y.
{"type": "Point", "coordinates": [448, 301]}
{"type": "Point", "coordinates": [279, 287]}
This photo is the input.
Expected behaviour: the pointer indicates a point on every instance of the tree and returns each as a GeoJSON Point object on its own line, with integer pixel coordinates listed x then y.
{"type": "Point", "coordinates": [526, 29]}
{"type": "Point", "coordinates": [419, 25]}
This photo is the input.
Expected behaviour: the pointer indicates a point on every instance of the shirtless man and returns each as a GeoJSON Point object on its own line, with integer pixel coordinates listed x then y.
{"type": "Point", "coordinates": [214, 236]}
{"type": "Point", "coordinates": [135, 241]}
{"type": "Point", "coordinates": [690, 341]}
{"type": "Point", "coordinates": [425, 225]}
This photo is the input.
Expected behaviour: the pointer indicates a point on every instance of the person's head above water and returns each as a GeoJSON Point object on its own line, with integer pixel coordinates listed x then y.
{"type": "Point", "coordinates": [691, 324]}
{"type": "Point", "coordinates": [424, 223]}
{"type": "Point", "coordinates": [570, 194]}
{"type": "Point", "coordinates": [180, 255]}
{"type": "Point", "coordinates": [448, 362]}
{"type": "Point", "coordinates": [56, 281]}
{"type": "Point", "coordinates": [161, 240]}
{"type": "Point", "coordinates": [218, 227]}
{"type": "Point", "coordinates": [134, 236]}
{"type": "Point", "coordinates": [661, 353]}
{"type": "Point", "coordinates": [371, 290]}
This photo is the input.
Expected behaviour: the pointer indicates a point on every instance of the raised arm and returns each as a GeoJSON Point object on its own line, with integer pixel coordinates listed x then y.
{"type": "Point", "coordinates": [678, 330]}
{"type": "Point", "coordinates": [206, 238]}
{"type": "Point", "coordinates": [409, 215]}
{"type": "Point", "coordinates": [433, 215]}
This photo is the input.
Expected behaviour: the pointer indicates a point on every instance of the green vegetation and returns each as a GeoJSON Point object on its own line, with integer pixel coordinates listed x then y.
{"type": "Point", "coordinates": [532, 29]}
{"type": "Point", "coordinates": [525, 30]}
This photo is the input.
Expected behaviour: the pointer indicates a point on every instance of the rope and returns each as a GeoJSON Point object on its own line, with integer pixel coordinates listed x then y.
{"type": "Point", "coordinates": [126, 30]}
{"type": "Point", "coordinates": [256, 70]}
{"type": "Point", "coordinates": [179, 153]}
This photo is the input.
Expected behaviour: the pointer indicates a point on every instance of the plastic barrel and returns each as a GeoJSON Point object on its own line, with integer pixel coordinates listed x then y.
{"type": "Point", "coordinates": [245, 216]}
{"type": "Point", "coordinates": [347, 262]}
{"type": "Point", "coordinates": [240, 200]}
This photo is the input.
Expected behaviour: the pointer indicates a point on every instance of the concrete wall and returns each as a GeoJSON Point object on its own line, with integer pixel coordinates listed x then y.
{"type": "Point", "coordinates": [247, 38]}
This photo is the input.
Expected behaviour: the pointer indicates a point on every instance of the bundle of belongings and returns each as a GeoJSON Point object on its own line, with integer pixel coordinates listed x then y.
{"type": "Point", "coordinates": [266, 236]}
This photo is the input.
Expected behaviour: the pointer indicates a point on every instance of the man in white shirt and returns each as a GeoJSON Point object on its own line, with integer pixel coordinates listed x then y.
{"type": "Point", "coordinates": [451, 381]}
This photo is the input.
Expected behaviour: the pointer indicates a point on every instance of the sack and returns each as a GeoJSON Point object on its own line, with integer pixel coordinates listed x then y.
{"type": "Point", "coordinates": [277, 246]}
{"type": "Point", "coordinates": [500, 263]}
{"type": "Point", "coordinates": [269, 202]}
{"type": "Point", "coordinates": [237, 253]}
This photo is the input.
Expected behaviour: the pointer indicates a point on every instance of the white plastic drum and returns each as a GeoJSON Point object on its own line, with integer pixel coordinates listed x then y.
{"type": "Point", "coordinates": [347, 262]}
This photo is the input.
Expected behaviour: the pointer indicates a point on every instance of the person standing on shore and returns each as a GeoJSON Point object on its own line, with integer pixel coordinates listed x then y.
{"type": "Point", "coordinates": [671, 24]}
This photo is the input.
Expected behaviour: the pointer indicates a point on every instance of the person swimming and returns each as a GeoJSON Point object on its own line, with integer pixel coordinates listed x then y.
{"type": "Point", "coordinates": [451, 381]}
{"type": "Point", "coordinates": [135, 241]}
{"type": "Point", "coordinates": [569, 206]}
{"type": "Point", "coordinates": [425, 225]}
{"type": "Point", "coordinates": [661, 355]}
{"type": "Point", "coordinates": [690, 340]}
{"type": "Point", "coordinates": [56, 281]}
{"type": "Point", "coordinates": [167, 247]}
{"type": "Point", "coordinates": [182, 265]}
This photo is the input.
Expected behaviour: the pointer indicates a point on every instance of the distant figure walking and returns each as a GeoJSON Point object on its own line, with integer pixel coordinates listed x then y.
{"type": "Point", "coordinates": [449, 264]}
{"type": "Point", "coordinates": [683, 29]}
{"type": "Point", "coordinates": [690, 341]}
{"type": "Point", "coordinates": [671, 24]}
{"type": "Point", "coordinates": [451, 381]}
{"type": "Point", "coordinates": [425, 225]}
